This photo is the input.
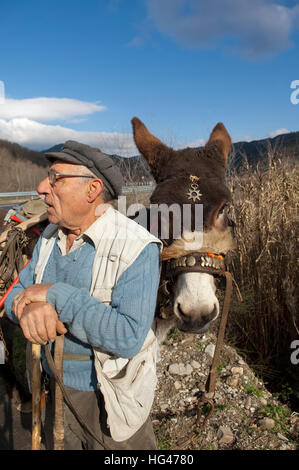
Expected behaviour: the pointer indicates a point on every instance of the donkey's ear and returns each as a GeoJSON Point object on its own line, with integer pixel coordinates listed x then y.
{"type": "Point", "coordinates": [147, 144]}
{"type": "Point", "coordinates": [222, 138]}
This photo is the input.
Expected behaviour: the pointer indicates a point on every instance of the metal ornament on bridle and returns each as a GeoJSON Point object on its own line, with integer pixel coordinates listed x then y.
{"type": "Point", "coordinates": [194, 193]}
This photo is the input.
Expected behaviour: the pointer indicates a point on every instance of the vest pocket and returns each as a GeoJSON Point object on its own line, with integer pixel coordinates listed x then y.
{"type": "Point", "coordinates": [135, 394]}
{"type": "Point", "coordinates": [129, 392]}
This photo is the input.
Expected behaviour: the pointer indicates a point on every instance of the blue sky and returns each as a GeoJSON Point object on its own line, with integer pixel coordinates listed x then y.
{"type": "Point", "coordinates": [82, 69]}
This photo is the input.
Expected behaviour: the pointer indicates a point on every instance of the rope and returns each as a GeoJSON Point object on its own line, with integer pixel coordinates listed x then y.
{"type": "Point", "coordinates": [11, 258]}
{"type": "Point", "coordinates": [211, 382]}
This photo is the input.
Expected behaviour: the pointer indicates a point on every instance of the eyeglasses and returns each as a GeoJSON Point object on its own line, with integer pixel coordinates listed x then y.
{"type": "Point", "coordinates": [54, 176]}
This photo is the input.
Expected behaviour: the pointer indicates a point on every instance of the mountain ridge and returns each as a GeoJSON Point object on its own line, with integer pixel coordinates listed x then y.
{"type": "Point", "coordinates": [254, 149]}
{"type": "Point", "coordinates": [22, 168]}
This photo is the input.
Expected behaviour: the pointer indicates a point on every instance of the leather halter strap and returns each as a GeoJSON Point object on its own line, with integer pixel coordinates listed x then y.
{"type": "Point", "coordinates": [210, 263]}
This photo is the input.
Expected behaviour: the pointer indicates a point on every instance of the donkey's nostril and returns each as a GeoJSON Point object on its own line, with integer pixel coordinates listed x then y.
{"type": "Point", "coordinates": [213, 314]}
{"type": "Point", "coordinates": [205, 314]}
{"type": "Point", "coordinates": [184, 315]}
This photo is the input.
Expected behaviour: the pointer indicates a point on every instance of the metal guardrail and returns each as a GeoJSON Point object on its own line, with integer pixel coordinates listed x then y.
{"type": "Point", "coordinates": [143, 187]}
{"type": "Point", "coordinates": [126, 189]}
{"type": "Point", "coordinates": [20, 194]}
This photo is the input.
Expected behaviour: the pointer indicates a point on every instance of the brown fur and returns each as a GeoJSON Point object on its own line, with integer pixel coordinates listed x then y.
{"type": "Point", "coordinates": [172, 170]}
{"type": "Point", "coordinates": [221, 137]}
{"type": "Point", "coordinates": [214, 241]}
{"type": "Point", "coordinates": [148, 144]}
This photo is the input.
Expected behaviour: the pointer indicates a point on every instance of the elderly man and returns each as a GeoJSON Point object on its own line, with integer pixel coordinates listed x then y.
{"type": "Point", "coordinates": [94, 277]}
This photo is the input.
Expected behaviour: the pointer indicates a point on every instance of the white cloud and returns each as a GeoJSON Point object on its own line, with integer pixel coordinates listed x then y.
{"type": "Point", "coordinates": [47, 109]}
{"type": "Point", "coordinates": [197, 143]}
{"type": "Point", "coordinates": [256, 27]}
{"type": "Point", "coordinates": [194, 144]}
{"type": "Point", "coordinates": [41, 136]}
{"type": "Point", "coordinates": [25, 122]}
{"type": "Point", "coordinates": [244, 138]}
{"type": "Point", "coordinates": [278, 132]}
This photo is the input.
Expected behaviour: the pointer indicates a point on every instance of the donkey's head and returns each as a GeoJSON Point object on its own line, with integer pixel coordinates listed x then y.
{"type": "Point", "coordinates": [191, 179]}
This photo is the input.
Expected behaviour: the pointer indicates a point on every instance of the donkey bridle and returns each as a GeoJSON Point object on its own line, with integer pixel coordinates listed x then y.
{"type": "Point", "coordinates": [210, 263]}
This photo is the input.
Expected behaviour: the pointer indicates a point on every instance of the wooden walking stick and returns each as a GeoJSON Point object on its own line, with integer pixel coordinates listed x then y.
{"type": "Point", "coordinates": [58, 431]}
{"type": "Point", "coordinates": [59, 403]}
{"type": "Point", "coordinates": [36, 397]}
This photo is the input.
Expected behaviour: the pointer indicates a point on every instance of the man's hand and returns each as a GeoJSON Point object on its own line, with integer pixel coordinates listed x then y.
{"type": "Point", "coordinates": [34, 293]}
{"type": "Point", "coordinates": [39, 322]}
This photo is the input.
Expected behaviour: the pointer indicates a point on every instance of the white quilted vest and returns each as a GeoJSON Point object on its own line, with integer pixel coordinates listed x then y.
{"type": "Point", "coordinates": [128, 385]}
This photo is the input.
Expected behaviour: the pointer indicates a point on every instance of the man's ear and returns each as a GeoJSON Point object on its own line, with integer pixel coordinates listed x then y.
{"type": "Point", "coordinates": [95, 187]}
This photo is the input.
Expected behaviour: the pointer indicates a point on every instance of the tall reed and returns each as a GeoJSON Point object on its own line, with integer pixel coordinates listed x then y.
{"type": "Point", "coordinates": [264, 209]}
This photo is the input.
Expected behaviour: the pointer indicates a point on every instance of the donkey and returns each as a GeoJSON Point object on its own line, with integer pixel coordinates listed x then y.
{"type": "Point", "coordinates": [191, 177]}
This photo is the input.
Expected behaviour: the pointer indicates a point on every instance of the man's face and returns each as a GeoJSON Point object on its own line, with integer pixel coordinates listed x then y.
{"type": "Point", "coordinates": [67, 197]}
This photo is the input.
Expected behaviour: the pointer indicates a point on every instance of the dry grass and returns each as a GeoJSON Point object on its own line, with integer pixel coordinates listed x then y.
{"type": "Point", "coordinates": [265, 203]}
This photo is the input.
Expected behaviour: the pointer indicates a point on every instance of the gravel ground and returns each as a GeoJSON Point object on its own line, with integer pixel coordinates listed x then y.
{"type": "Point", "coordinates": [246, 416]}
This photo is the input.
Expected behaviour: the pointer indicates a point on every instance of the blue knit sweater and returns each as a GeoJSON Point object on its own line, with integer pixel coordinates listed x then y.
{"type": "Point", "coordinates": [119, 328]}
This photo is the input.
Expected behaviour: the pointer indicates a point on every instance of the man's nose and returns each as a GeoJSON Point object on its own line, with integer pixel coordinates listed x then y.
{"type": "Point", "coordinates": [44, 186]}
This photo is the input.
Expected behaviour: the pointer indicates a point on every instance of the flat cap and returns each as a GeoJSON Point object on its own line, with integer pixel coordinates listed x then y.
{"type": "Point", "coordinates": [96, 161]}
